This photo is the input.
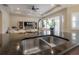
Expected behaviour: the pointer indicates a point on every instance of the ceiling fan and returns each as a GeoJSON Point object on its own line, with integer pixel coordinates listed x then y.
{"type": "Point", "coordinates": [34, 8]}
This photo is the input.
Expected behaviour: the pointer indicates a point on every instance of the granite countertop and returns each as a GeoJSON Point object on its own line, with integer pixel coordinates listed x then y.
{"type": "Point", "coordinates": [10, 42]}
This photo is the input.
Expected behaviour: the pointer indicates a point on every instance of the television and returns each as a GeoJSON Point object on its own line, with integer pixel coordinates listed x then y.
{"type": "Point", "coordinates": [28, 23]}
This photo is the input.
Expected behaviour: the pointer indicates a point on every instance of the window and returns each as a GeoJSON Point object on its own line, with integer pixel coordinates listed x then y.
{"type": "Point", "coordinates": [48, 23]}
{"type": "Point", "coordinates": [57, 21]}
{"type": "Point", "coordinates": [57, 25]}
{"type": "Point", "coordinates": [45, 23]}
{"type": "Point", "coordinates": [75, 21]}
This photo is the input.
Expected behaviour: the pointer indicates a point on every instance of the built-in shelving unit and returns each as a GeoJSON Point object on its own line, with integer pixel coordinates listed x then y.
{"type": "Point", "coordinates": [27, 25]}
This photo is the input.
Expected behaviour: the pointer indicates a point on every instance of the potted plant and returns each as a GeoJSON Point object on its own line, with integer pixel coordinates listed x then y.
{"type": "Point", "coordinates": [52, 26]}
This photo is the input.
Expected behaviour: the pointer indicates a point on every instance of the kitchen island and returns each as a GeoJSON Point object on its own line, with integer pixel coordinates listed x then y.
{"type": "Point", "coordinates": [36, 43]}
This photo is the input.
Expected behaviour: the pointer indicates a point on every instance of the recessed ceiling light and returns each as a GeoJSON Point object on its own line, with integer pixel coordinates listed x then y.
{"type": "Point", "coordinates": [18, 8]}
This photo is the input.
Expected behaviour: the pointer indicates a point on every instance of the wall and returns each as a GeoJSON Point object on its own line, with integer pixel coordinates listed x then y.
{"type": "Point", "coordinates": [0, 22]}
{"type": "Point", "coordinates": [5, 21]}
{"type": "Point", "coordinates": [14, 19]}
{"type": "Point", "coordinates": [67, 12]}
{"type": "Point", "coordinates": [71, 10]}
